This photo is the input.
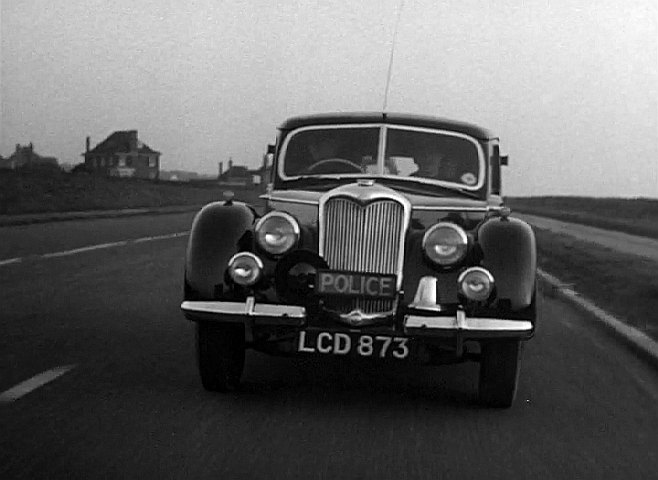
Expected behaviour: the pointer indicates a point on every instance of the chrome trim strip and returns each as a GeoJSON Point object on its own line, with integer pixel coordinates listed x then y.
{"type": "Point", "coordinates": [383, 134]}
{"type": "Point", "coordinates": [461, 322]}
{"type": "Point", "coordinates": [427, 208]}
{"type": "Point", "coordinates": [249, 308]}
{"type": "Point", "coordinates": [272, 198]}
{"type": "Point", "coordinates": [419, 208]}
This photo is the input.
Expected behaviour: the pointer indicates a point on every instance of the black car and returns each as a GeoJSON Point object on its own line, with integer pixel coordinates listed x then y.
{"type": "Point", "coordinates": [384, 236]}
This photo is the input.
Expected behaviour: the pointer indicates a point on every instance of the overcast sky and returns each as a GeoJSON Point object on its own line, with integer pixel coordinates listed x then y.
{"type": "Point", "coordinates": [571, 86]}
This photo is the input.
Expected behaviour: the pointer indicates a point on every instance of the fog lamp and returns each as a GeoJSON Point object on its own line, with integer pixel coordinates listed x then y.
{"type": "Point", "coordinates": [476, 284]}
{"type": "Point", "coordinates": [245, 268]}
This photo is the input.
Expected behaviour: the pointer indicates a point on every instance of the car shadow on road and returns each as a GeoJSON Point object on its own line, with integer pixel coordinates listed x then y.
{"type": "Point", "coordinates": [328, 380]}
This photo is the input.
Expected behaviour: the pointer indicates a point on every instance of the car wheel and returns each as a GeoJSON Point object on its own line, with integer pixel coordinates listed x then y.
{"type": "Point", "coordinates": [500, 362]}
{"type": "Point", "coordinates": [220, 355]}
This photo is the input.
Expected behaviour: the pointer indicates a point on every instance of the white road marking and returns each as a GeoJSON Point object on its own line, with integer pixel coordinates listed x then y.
{"type": "Point", "coordinates": [90, 248]}
{"type": "Point", "coordinates": [9, 261]}
{"type": "Point", "coordinates": [635, 337]}
{"type": "Point", "coordinates": [33, 383]}
{"type": "Point", "coordinates": [161, 237]}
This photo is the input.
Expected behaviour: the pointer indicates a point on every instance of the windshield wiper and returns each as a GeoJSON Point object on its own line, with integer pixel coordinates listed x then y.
{"type": "Point", "coordinates": [466, 193]}
{"type": "Point", "coordinates": [315, 180]}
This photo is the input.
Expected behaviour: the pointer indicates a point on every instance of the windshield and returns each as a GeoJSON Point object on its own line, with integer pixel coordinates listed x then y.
{"type": "Point", "coordinates": [424, 154]}
{"type": "Point", "coordinates": [331, 151]}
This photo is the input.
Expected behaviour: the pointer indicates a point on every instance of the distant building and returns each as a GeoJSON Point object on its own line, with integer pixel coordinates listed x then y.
{"type": "Point", "coordinates": [122, 154]}
{"type": "Point", "coordinates": [239, 175]}
{"type": "Point", "coordinates": [26, 157]}
{"type": "Point", "coordinates": [178, 175]}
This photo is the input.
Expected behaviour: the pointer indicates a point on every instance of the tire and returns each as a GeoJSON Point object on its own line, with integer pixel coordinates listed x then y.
{"type": "Point", "coordinates": [500, 363]}
{"type": "Point", "coordinates": [220, 351]}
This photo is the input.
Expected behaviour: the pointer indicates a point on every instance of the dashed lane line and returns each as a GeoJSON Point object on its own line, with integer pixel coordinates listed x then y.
{"type": "Point", "coordinates": [9, 261]}
{"type": "Point", "coordinates": [89, 248]}
{"type": "Point", "coordinates": [33, 383]}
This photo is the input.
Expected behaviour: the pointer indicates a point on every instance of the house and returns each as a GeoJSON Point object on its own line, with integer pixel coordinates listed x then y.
{"type": "Point", "coordinates": [26, 157]}
{"type": "Point", "coordinates": [239, 175]}
{"type": "Point", "coordinates": [122, 154]}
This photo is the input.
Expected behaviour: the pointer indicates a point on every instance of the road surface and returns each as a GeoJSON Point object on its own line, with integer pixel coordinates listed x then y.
{"type": "Point", "coordinates": [124, 400]}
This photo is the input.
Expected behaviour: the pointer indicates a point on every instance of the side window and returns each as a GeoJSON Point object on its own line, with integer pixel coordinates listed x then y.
{"type": "Point", "coordinates": [495, 170]}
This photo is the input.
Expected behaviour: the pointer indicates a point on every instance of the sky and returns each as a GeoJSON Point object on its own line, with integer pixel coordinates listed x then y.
{"type": "Point", "coordinates": [570, 86]}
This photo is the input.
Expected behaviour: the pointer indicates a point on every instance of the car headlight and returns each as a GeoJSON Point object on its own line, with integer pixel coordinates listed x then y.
{"type": "Point", "coordinates": [445, 244]}
{"type": "Point", "coordinates": [277, 233]}
{"type": "Point", "coordinates": [476, 284]}
{"type": "Point", "coordinates": [245, 268]}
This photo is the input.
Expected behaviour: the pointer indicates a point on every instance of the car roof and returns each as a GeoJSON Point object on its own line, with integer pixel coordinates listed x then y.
{"type": "Point", "coordinates": [386, 117]}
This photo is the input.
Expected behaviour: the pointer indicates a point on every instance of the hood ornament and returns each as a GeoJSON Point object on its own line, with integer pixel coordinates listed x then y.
{"type": "Point", "coordinates": [365, 182]}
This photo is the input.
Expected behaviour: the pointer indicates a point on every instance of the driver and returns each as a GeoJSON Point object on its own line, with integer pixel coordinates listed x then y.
{"type": "Point", "coordinates": [323, 148]}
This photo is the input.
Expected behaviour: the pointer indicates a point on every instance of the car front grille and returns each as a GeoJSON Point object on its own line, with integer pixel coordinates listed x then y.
{"type": "Point", "coordinates": [363, 238]}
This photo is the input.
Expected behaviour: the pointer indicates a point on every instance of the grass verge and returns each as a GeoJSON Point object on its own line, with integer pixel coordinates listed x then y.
{"type": "Point", "coordinates": [22, 193]}
{"type": "Point", "coordinates": [635, 216]}
{"type": "Point", "coordinates": [624, 285]}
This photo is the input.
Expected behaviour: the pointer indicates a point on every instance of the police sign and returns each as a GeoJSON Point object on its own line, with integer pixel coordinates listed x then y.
{"type": "Point", "coordinates": [355, 284]}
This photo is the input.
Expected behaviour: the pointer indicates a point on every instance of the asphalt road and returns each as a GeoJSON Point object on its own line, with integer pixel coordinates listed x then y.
{"type": "Point", "coordinates": [131, 406]}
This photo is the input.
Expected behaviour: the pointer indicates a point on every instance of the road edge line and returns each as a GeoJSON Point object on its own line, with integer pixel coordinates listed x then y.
{"type": "Point", "coordinates": [52, 217]}
{"type": "Point", "coordinates": [33, 383]}
{"type": "Point", "coordinates": [639, 342]}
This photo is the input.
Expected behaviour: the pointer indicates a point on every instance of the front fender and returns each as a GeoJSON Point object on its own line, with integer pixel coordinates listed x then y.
{"type": "Point", "coordinates": [510, 254]}
{"type": "Point", "coordinates": [218, 232]}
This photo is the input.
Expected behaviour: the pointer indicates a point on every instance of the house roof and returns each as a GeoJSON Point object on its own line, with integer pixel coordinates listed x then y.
{"type": "Point", "coordinates": [237, 171]}
{"type": "Point", "coordinates": [120, 141]}
{"type": "Point", "coordinates": [26, 155]}
{"type": "Point", "coordinates": [388, 118]}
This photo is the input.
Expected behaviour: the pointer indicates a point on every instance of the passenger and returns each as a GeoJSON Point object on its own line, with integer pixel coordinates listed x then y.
{"type": "Point", "coordinates": [428, 167]}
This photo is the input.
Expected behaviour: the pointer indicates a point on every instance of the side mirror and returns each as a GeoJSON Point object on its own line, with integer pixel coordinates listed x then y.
{"type": "Point", "coordinates": [270, 148]}
{"type": "Point", "coordinates": [504, 160]}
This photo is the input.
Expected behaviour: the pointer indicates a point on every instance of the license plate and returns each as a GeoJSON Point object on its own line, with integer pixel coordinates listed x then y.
{"type": "Point", "coordinates": [355, 284]}
{"type": "Point", "coordinates": [339, 343]}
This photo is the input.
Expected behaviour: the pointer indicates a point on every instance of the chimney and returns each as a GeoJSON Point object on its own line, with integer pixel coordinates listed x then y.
{"type": "Point", "coordinates": [132, 138]}
{"type": "Point", "coordinates": [221, 168]}
{"type": "Point", "coordinates": [87, 144]}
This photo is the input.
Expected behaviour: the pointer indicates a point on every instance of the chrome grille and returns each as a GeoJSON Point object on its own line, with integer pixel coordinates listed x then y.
{"type": "Point", "coordinates": [363, 238]}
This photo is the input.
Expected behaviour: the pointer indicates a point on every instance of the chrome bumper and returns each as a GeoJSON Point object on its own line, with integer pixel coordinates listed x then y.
{"type": "Point", "coordinates": [237, 312]}
{"type": "Point", "coordinates": [295, 316]}
{"type": "Point", "coordinates": [417, 325]}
